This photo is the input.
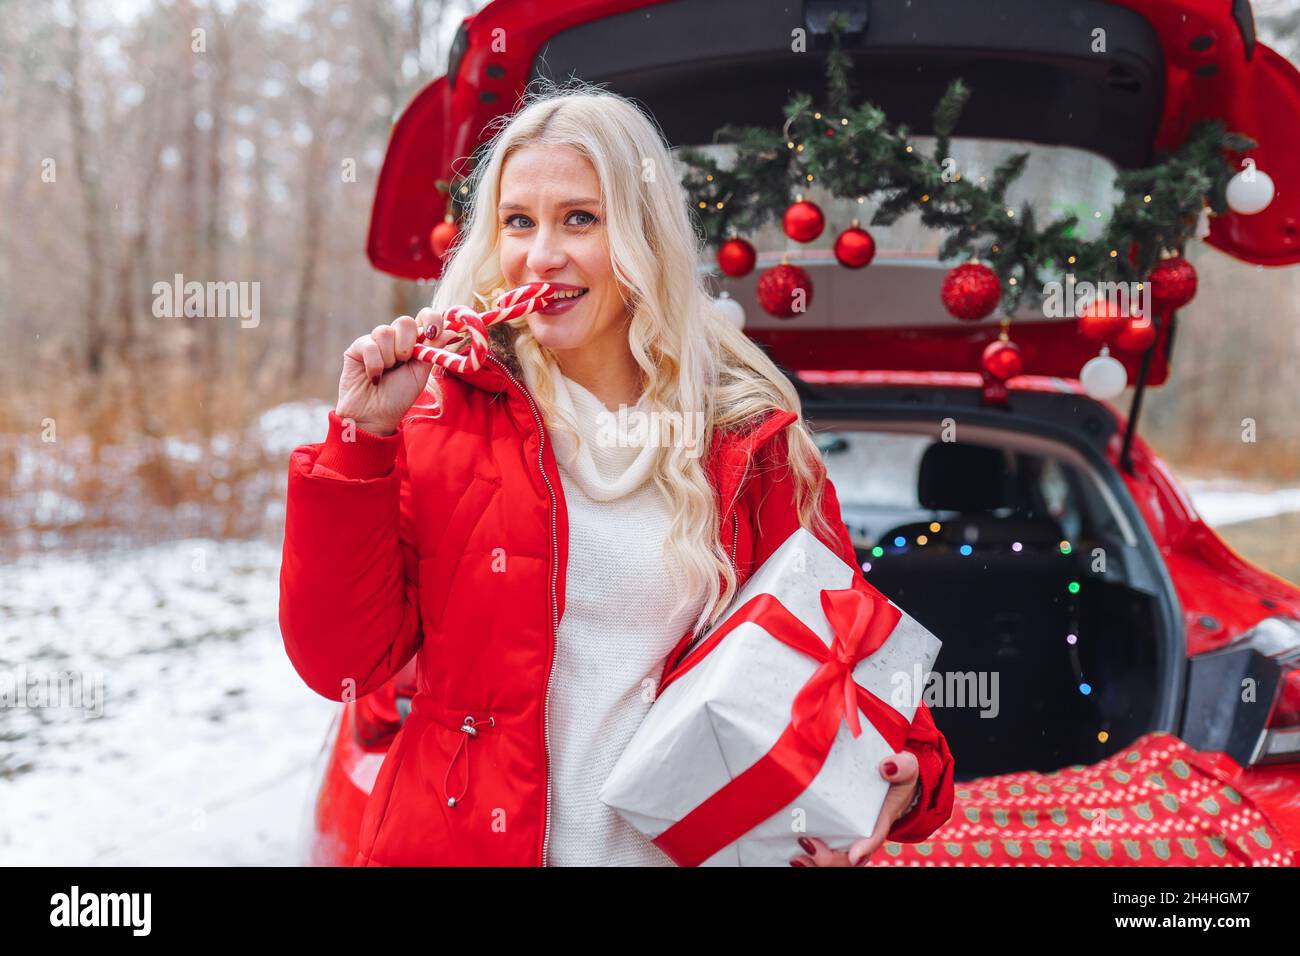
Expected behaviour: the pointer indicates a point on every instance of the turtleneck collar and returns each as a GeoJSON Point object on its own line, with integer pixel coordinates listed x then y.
{"type": "Point", "coordinates": [726, 456]}
{"type": "Point", "coordinates": [612, 459]}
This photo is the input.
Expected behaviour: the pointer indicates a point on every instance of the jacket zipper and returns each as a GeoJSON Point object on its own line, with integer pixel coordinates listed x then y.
{"type": "Point", "coordinates": [555, 604]}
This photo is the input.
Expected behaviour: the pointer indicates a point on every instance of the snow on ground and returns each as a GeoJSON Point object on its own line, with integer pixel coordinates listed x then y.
{"type": "Point", "coordinates": [191, 739]}
{"type": "Point", "coordinates": [1226, 501]}
{"type": "Point", "coordinates": [283, 428]}
{"type": "Point", "coordinates": [148, 713]}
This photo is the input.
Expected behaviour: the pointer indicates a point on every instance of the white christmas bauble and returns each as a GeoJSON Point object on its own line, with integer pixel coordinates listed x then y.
{"type": "Point", "coordinates": [1103, 376]}
{"type": "Point", "coordinates": [732, 310]}
{"type": "Point", "coordinates": [1250, 191]}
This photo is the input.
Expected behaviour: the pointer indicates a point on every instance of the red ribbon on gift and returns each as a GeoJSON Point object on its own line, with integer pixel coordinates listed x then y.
{"type": "Point", "coordinates": [861, 620]}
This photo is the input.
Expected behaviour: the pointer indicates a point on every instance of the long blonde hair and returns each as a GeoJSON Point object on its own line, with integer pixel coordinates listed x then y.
{"type": "Point", "coordinates": [691, 357]}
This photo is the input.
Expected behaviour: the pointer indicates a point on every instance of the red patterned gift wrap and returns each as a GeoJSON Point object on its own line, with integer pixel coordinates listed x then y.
{"type": "Point", "coordinates": [1157, 802]}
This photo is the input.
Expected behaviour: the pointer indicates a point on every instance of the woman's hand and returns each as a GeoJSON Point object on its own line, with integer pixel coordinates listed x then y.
{"type": "Point", "coordinates": [378, 383]}
{"type": "Point", "coordinates": [903, 782]}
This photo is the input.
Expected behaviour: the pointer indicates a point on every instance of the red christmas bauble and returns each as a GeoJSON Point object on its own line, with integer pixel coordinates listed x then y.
{"type": "Point", "coordinates": [1101, 322]}
{"type": "Point", "coordinates": [803, 221]}
{"type": "Point", "coordinates": [971, 291]}
{"type": "Point", "coordinates": [993, 390]}
{"type": "Point", "coordinates": [736, 258]}
{"type": "Point", "coordinates": [1002, 359]}
{"type": "Point", "coordinates": [784, 291]}
{"type": "Point", "coordinates": [855, 248]}
{"type": "Point", "coordinates": [1136, 335]}
{"type": "Point", "coordinates": [442, 236]}
{"type": "Point", "coordinates": [1173, 284]}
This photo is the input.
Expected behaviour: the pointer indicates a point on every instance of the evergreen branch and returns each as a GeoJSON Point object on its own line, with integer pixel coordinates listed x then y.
{"type": "Point", "coordinates": [838, 64]}
{"type": "Point", "coordinates": [853, 151]}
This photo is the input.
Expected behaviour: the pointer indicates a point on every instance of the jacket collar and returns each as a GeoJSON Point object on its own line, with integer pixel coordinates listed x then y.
{"type": "Point", "coordinates": [731, 454]}
{"type": "Point", "coordinates": [728, 456]}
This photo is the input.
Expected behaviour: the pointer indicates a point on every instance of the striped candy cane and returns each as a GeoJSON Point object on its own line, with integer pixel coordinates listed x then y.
{"type": "Point", "coordinates": [509, 305]}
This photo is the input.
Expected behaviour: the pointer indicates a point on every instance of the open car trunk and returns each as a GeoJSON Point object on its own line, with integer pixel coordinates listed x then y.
{"type": "Point", "coordinates": [1049, 658]}
{"type": "Point", "coordinates": [1012, 697]}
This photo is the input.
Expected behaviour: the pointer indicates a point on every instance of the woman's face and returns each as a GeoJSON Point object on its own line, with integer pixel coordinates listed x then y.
{"type": "Point", "coordinates": [552, 229]}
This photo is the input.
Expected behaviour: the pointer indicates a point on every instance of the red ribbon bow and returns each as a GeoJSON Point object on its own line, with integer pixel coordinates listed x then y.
{"type": "Point", "coordinates": [861, 620]}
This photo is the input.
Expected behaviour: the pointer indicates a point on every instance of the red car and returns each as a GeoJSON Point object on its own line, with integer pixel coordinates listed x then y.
{"type": "Point", "coordinates": [1050, 546]}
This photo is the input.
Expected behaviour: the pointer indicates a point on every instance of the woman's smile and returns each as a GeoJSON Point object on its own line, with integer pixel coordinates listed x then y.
{"type": "Point", "coordinates": [564, 300]}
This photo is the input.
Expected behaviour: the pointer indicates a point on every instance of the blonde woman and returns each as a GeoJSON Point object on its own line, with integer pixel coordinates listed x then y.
{"type": "Point", "coordinates": [547, 564]}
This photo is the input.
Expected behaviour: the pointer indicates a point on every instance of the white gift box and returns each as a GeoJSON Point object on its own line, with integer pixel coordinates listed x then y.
{"type": "Point", "coordinates": [715, 720]}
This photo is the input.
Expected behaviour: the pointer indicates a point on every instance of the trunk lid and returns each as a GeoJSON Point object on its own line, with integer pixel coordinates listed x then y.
{"type": "Point", "coordinates": [1037, 78]}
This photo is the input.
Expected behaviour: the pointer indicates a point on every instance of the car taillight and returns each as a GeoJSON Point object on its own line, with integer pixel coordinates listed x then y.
{"type": "Point", "coordinates": [1286, 710]}
{"type": "Point", "coordinates": [1244, 699]}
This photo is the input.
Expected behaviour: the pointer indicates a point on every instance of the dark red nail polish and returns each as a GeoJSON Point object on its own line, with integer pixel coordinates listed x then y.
{"type": "Point", "coordinates": [807, 846]}
{"type": "Point", "coordinates": [891, 768]}
{"type": "Point", "coordinates": [798, 863]}
{"type": "Point", "coordinates": [374, 380]}
{"type": "Point", "coordinates": [863, 861]}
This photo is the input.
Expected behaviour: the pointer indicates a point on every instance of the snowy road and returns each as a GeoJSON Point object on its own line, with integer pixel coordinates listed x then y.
{"type": "Point", "coordinates": [204, 743]}
{"type": "Point", "coordinates": [1223, 502]}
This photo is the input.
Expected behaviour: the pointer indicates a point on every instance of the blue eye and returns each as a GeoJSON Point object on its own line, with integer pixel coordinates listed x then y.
{"type": "Point", "coordinates": [510, 223]}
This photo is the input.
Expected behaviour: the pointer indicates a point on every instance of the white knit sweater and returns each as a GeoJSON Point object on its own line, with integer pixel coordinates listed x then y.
{"type": "Point", "coordinates": [617, 630]}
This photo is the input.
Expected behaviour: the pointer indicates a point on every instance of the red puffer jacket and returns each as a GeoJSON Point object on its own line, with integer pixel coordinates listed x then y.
{"type": "Point", "coordinates": [449, 540]}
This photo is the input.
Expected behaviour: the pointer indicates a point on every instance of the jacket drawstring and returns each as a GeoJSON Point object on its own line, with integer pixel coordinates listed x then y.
{"type": "Point", "coordinates": [469, 730]}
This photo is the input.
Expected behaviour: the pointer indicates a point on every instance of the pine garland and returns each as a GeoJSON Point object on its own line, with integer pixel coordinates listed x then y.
{"type": "Point", "coordinates": [855, 153]}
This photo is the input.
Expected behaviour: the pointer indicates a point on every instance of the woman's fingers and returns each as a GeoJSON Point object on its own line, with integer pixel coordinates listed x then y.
{"type": "Point", "coordinates": [902, 772]}
{"type": "Point", "coordinates": [819, 853]}
{"type": "Point", "coordinates": [429, 321]}
{"type": "Point", "coordinates": [421, 371]}
{"type": "Point", "coordinates": [862, 849]}
{"type": "Point", "coordinates": [435, 328]}
{"type": "Point", "coordinates": [857, 853]}
{"type": "Point", "coordinates": [385, 337]}
{"type": "Point", "coordinates": [365, 351]}
{"type": "Point", "coordinates": [896, 801]}
{"type": "Point", "coordinates": [404, 333]}
{"type": "Point", "coordinates": [900, 767]}
{"type": "Point", "coordinates": [434, 325]}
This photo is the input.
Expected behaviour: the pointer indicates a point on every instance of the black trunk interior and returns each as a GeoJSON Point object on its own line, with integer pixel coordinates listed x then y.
{"type": "Point", "coordinates": [1011, 614]}
{"type": "Point", "coordinates": [1064, 645]}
